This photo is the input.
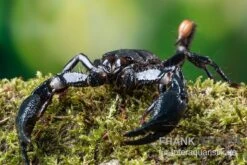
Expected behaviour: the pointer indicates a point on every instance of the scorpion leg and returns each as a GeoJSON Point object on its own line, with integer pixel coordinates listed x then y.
{"type": "Point", "coordinates": [78, 58]}
{"type": "Point", "coordinates": [202, 62]}
{"type": "Point", "coordinates": [208, 73]}
{"type": "Point", "coordinates": [167, 112]}
{"type": "Point", "coordinates": [198, 60]}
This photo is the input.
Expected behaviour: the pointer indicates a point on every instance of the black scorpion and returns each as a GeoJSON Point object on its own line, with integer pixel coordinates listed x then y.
{"type": "Point", "coordinates": [128, 69]}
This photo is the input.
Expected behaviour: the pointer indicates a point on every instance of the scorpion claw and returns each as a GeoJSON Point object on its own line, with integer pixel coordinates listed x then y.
{"type": "Point", "coordinates": [25, 122]}
{"type": "Point", "coordinates": [30, 111]}
{"type": "Point", "coordinates": [147, 139]}
{"type": "Point", "coordinates": [24, 153]}
{"type": "Point", "coordinates": [136, 132]}
{"type": "Point", "coordinates": [151, 127]}
{"type": "Point", "coordinates": [167, 111]}
{"type": "Point", "coordinates": [26, 117]}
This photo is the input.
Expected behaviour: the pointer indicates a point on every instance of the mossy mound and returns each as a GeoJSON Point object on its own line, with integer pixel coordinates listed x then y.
{"type": "Point", "coordinates": [85, 126]}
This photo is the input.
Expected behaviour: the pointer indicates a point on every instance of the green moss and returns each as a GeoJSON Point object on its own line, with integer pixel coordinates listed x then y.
{"type": "Point", "coordinates": [72, 129]}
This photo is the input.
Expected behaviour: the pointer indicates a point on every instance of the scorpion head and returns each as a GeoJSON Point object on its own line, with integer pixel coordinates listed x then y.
{"type": "Point", "coordinates": [111, 66]}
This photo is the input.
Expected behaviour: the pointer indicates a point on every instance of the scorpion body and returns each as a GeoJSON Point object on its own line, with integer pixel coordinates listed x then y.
{"type": "Point", "coordinates": [127, 69]}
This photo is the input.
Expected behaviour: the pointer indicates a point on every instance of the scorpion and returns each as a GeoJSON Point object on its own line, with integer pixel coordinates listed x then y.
{"type": "Point", "coordinates": [126, 69]}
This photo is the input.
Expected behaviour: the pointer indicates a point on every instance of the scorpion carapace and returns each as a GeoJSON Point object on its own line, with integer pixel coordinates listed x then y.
{"type": "Point", "coordinates": [127, 69]}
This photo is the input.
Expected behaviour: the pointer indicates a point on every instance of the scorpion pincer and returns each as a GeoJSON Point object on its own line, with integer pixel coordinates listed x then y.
{"type": "Point", "coordinates": [166, 111]}
{"type": "Point", "coordinates": [32, 109]}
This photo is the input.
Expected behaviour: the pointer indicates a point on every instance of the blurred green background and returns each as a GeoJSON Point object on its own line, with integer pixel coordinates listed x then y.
{"type": "Point", "coordinates": [44, 35]}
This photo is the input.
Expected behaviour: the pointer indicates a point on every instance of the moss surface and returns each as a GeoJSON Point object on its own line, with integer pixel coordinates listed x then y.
{"type": "Point", "coordinates": [85, 126]}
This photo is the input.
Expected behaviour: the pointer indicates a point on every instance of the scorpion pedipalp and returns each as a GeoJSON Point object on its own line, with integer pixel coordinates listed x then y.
{"type": "Point", "coordinates": [30, 111]}
{"type": "Point", "coordinates": [166, 112]}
